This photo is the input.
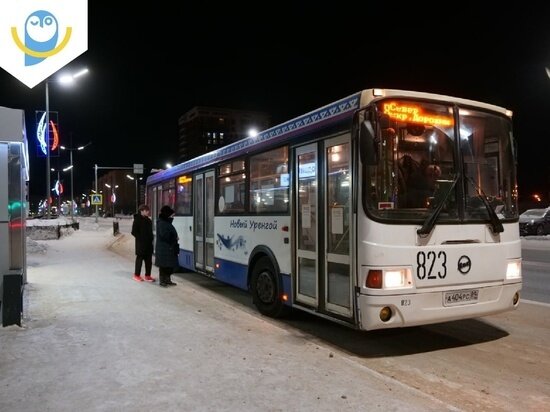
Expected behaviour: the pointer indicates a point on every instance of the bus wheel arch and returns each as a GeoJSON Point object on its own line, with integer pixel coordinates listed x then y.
{"type": "Point", "coordinates": [265, 283]}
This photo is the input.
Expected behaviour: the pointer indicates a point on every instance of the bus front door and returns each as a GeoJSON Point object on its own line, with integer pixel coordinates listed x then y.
{"type": "Point", "coordinates": [323, 221]}
{"type": "Point", "coordinates": [203, 221]}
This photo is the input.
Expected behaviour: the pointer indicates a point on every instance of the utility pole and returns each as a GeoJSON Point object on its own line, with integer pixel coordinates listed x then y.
{"type": "Point", "coordinates": [96, 209]}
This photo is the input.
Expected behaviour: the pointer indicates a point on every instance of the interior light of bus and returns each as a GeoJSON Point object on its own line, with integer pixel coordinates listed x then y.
{"type": "Point", "coordinates": [285, 297]}
{"type": "Point", "coordinates": [374, 279]}
{"type": "Point", "coordinates": [378, 92]}
{"type": "Point", "coordinates": [217, 265]}
{"type": "Point", "coordinates": [184, 179]}
{"type": "Point", "coordinates": [411, 113]}
{"type": "Point", "coordinates": [513, 270]}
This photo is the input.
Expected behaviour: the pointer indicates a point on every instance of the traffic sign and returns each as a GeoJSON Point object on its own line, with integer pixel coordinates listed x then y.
{"type": "Point", "coordinates": [138, 169]}
{"type": "Point", "coordinates": [97, 199]}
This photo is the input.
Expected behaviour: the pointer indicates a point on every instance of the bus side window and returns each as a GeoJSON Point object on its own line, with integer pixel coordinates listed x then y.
{"type": "Point", "coordinates": [269, 181]}
{"type": "Point", "coordinates": [232, 184]}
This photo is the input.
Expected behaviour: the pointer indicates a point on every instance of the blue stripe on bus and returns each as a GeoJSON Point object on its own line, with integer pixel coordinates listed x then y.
{"type": "Point", "coordinates": [236, 274]}
{"type": "Point", "coordinates": [230, 272]}
{"type": "Point", "coordinates": [320, 117]}
{"type": "Point", "coordinates": [287, 288]}
{"type": "Point", "coordinates": [186, 259]}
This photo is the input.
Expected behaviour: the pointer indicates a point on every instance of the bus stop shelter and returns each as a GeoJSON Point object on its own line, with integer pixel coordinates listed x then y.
{"type": "Point", "coordinates": [14, 175]}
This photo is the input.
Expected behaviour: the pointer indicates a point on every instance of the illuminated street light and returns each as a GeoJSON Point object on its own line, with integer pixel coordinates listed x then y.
{"type": "Point", "coordinates": [65, 79]}
{"type": "Point", "coordinates": [69, 79]}
{"type": "Point", "coordinates": [71, 149]}
{"type": "Point", "coordinates": [136, 183]}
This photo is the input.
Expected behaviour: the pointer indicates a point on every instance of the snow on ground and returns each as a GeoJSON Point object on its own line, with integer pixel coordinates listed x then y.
{"type": "Point", "coordinates": [49, 222]}
{"type": "Point", "coordinates": [93, 338]}
{"type": "Point", "coordinates": [36, 246]}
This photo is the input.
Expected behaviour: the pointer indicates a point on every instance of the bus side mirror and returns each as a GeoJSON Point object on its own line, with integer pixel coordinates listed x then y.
{"type": "Point", "coordinates": [368, 144]}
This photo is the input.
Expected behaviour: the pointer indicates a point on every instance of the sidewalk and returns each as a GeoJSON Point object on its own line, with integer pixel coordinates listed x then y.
{"type": "Point", "coordinates": [95, 340]}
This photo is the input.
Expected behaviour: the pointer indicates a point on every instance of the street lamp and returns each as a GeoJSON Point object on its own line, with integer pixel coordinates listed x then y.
{"type": "Point", "coordinates": [58, 187]}
{"type": "Point", "coordinates": [71, 149]}
{"type": "Point", "coordinates": [65, 79]}
{"type": "Point", "coordinates": [135, 179]}
{"type": "Point", "coordinates": [136, 182]}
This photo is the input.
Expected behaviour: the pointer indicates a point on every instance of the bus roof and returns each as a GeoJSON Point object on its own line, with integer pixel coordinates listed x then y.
{"type": "Point", "coordinates": [318, 118]}
{"type": "Point", "coordinates": [375, 94]}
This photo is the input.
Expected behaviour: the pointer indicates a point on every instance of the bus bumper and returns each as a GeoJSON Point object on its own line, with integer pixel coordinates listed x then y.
{"type": "Point", "coordinates": [423, 308]}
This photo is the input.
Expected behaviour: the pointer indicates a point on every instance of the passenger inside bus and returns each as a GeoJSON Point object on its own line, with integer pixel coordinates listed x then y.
{"type": "Point", "coordinates": [418, 182]}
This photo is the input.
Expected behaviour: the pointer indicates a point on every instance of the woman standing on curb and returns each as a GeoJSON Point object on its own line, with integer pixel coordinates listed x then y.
{"type": "Point", "coordinates": [142, 230]}
{"type": "Point", "coordinates": [167, 247]}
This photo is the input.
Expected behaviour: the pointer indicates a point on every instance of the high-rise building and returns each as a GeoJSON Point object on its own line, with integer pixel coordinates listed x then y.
{"type": "Point", "coordinates": [203, 129]}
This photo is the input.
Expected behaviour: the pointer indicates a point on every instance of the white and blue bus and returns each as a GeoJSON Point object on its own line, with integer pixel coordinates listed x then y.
{"type": "Point", "coordinates": [384, 209]}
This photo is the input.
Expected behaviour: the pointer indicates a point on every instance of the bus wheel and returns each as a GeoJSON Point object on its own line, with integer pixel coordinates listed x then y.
{"type": "Point", "coordinates": [265, 289]}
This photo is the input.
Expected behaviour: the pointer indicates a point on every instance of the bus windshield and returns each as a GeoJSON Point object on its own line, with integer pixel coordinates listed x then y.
{"type": "Point", "coordinates": [422, 164]}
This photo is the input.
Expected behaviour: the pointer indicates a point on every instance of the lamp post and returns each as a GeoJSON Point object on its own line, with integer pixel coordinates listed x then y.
{"type": "Point", "coordinates": [58, 187]}
{"type": "Point", "coordinates": [113, 197]}
{"type": "Point", "coordinates": [110, 198]}
{"type": "Point", "coordinates": [134, 178]}
{"type": "Point", "coordinates": [65, 79]}
{"type": "Point", "coordinates": [71, 149]}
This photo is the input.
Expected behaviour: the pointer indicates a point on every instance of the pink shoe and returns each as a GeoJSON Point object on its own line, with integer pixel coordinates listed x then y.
{"type": "Point", "coordinates": [138, 278]}
{"type": "Point", "coordinates": [149, 278]}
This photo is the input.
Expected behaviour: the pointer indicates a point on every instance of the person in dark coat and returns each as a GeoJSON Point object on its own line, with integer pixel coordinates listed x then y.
{"type": "Point", "coordinates": [142, 230]}
{"type": "Point", "coordinates": [166, 247]}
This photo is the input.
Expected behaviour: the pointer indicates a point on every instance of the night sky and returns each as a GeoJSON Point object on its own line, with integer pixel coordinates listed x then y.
{"type": "Point", "coordinates": [150, 65]}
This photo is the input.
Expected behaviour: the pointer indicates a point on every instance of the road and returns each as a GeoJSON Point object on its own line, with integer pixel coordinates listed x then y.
{"type": "Point", "coordinates": [536, 268]}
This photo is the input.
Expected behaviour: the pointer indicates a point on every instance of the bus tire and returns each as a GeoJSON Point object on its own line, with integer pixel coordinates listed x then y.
{"type": "Point", "coordinates": [265, 289]}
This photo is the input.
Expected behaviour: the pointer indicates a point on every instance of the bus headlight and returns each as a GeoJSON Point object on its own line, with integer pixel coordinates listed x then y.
{"type": "Point", "coordinates": [397, 278]}
{"type": "Point", "coordinates": [513, 270]}
{"type": "Point", "coordinates": [394, 278]}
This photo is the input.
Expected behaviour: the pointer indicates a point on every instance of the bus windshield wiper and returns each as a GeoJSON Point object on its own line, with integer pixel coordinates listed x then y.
{"type": "Point", "coordinates": [429, 223]}
{"type": "Point", "coordinates": [495, 221]}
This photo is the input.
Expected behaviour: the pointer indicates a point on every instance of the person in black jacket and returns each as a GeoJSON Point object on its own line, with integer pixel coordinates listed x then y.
{"type": "Point", "coordinates": [166, 247]}
{"type": "Point", "coordinates": [142, 230]}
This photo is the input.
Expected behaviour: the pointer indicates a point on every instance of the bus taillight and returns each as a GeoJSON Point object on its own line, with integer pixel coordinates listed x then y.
{"type": "Point", "coordinates": [374, 279]}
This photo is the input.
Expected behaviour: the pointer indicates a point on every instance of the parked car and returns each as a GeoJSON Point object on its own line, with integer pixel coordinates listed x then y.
{"type": "Point", "coordinates": [535, 222]}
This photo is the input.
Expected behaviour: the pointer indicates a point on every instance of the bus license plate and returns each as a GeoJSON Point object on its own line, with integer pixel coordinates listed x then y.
{"type": "Point", "coordinates": [460, 297]}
